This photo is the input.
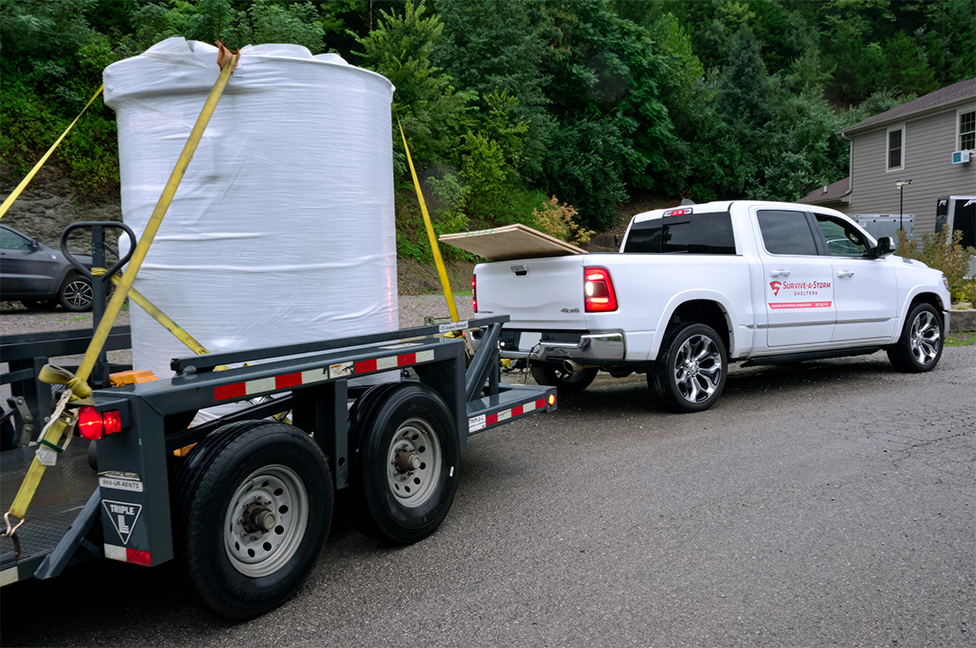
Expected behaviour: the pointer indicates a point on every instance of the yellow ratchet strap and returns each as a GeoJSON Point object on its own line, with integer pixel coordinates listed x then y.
{"type": "Point", "coordinates": [37, 167]}
{"type": "Point", "coordinates": [164, 320]}
{"type": "Point", "coordinates": [58, 428]}
{"type": "Point", "coordinates": [441, 271]}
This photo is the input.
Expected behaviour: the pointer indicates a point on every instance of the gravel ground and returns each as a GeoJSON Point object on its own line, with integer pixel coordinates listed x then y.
{"type": "Point", "coordinates": [15, 319]}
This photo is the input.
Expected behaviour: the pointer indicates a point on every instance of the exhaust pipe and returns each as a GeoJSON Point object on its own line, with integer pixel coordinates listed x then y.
{"type": "Point", "coordinates": [572, 366]}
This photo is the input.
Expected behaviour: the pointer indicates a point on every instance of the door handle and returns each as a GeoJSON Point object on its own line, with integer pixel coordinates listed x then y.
{"type": "Point", "coordinates": [779, 273]}
{"type": "Point", "coordinates": [845, 273]}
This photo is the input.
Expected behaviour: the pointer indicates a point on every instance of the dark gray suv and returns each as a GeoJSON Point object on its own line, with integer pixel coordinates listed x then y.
{"type": "Point", "coordinates": [37, 276]}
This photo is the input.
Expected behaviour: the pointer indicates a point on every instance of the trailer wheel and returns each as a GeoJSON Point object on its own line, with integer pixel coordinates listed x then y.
{"type": "Point", "coordinates": [568, 382]}
{"type": "Point", "coordinates": [404, 469]}
{"type": "Point", "coordinates": [253, 509]}
{"type": "Point", "coordinates": [689, 374]}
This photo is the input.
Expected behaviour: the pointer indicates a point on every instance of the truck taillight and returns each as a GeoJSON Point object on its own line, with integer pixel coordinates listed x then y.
{"type": "Point", "coordinates": [599, 295]}
{"type": "Point", "coordinates": [474, 292]}
{"type": "Point", "coordinates": [94, 425]}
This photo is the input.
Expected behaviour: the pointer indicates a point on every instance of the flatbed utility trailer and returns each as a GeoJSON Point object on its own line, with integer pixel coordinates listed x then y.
{"type": "Point", "coordinates": [243, 503]}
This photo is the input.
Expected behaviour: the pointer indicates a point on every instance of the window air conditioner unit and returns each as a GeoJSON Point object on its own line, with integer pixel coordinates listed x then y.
{"type": "Point", "coordinates": [960, 157]}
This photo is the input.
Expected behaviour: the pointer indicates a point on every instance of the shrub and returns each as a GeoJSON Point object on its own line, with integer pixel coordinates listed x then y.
{"type": "Point", "coordinates": [559, 221]}
{"type": "Point", "coordinates": [483, 168]}
{"type": "Point", "coordinates": [938, 251]}
{"type": "Point", "coordinates": [968, 291]}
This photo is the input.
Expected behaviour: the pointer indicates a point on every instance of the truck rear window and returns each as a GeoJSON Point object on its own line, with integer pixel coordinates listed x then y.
{"type": "Point", "coordinates": [707, 233]}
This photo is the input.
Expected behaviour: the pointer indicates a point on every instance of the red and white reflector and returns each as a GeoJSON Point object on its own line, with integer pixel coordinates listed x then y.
{"type": "Point", "coordinates": [124, 554]}
{"type": "Point", "coordinates": [599, 295]}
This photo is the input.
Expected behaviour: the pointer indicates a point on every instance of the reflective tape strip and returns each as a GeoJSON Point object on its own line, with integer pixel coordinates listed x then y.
{"type": "Point", "coordinates": [114, 552]}
{"type": "Point", "coordinates": [125, 554]}
{"type": "Point", "coordinates": [504, 415]}
{"type": "Point", "coordinates": [242, 390]}
{"type": "Point", "coordinates": [9, 576]}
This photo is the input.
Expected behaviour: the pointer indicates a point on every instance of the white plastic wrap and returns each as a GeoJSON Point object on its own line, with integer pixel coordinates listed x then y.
{"type": "Point", "coordinates": [282, 230]}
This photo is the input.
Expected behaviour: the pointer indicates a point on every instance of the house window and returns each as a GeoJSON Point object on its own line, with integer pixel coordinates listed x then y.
{"type": "Point", "coordinates": [967, 131]}
{"type": "Point", "coordinates": [896, 148]}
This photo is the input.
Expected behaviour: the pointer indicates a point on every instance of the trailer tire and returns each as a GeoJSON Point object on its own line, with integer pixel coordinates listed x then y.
{"type": "Point", "coordinates": [568, 382]}
{"type": "Point", "coordinates": [253, 506]}
{"type": "Point", "coordinates": [403, 472]}
{"type": "Point", "coordinates": [690, 371]}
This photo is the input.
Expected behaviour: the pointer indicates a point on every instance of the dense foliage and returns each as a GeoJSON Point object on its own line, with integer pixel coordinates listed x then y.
{"type": "Point", "coordinates": [506, 103]}
{"type": "Point", "coordinates": [943, 251]}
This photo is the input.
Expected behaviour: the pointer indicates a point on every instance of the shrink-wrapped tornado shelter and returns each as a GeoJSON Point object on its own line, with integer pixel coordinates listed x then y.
{"type": "Point", "coordinates": [282, 230]}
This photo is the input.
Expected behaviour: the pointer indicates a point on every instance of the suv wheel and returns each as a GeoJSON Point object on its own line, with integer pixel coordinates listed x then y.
{"type": "Point", "coordinates": [76, 294]}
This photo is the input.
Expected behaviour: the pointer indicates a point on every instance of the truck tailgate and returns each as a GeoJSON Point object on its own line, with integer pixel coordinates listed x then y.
{"type": "Point", "coordinates": [542, 293]}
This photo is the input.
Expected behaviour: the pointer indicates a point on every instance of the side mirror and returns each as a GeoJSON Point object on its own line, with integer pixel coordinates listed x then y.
{"type": "Point", "coordinates": [883, 248]}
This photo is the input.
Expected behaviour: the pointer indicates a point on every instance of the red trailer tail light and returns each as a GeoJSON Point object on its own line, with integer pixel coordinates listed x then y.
{"type": "Point", "coordinates": [95, 426]}
{"type": "Point", "coordinates": [474, 292]}
{"type": "Point", "coordinates": [599, 294]}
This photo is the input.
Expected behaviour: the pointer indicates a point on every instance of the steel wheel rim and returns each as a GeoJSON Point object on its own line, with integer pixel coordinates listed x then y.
{"type": "Point", "coordinates": [266, 522]}
{"type": "Point", "coordinates": [414, 462]}
{"type": "Point", "coordinates": [925, 336]}
{"type": "Point", "coordinates": [697, 368]}
{"type": "Point", "coordinates": [78, 293]}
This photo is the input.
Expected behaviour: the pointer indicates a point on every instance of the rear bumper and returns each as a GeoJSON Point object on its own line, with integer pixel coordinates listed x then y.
{"type": "Point", "coordinates": [588, 347]}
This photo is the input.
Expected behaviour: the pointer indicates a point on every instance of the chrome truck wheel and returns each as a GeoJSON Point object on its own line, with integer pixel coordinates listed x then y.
{"type": "Point", "coordinates": [689, 374]}
{"type": "Point", "coordinates": [920, 346]}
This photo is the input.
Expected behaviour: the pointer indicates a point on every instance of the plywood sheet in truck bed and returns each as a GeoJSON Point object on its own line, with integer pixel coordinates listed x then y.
{"type": "Point", "coordinates": [510, 242]}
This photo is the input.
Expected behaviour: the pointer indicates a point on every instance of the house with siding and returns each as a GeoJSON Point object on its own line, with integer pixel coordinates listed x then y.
{"type": "Point", "coordinates": [916, 142]}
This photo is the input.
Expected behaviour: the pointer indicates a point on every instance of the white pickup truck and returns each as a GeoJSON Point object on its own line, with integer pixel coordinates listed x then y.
{"type": "Point", "coordinates": [698, 286]}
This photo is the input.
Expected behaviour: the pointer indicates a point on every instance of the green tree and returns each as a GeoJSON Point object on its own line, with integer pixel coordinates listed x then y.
{"type": "Point", "coordinates": [492, 48]}
{"type": "Point", "coordinates": [587, 169]}
{"type": "Point", "coordinates": [607, 70]}
{"type": "Point", "coordinates": [744, 93]}
{"type": "Point", "coordinates": [50, 68]}
{"type": "Point", "coordinates": [434, 115]}
{"type": "Point", "coordinates": [268, 22]}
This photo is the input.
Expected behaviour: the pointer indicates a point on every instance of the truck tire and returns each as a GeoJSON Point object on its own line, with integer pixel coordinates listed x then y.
{"type": "Point", "coordinates": [403, 472]}
{"type": "Point", "coordinates": [568, 382]}
{"type": "Point", "coordinates": [253, 506]}
{"type": "Point", "coordinates": [920, 346]}
{"type": "Point", "coordinates": [689, 374]}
